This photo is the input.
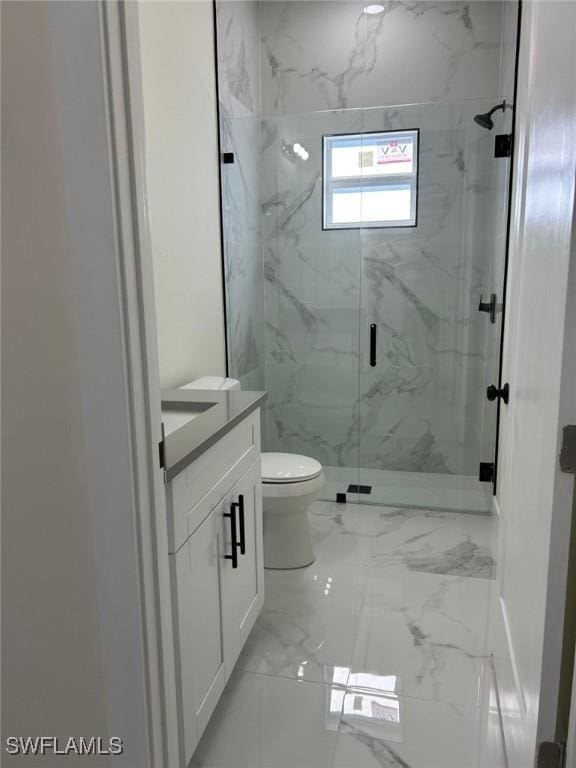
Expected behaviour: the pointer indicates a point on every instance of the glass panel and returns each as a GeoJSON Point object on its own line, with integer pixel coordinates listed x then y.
{"type": "Point", "coordinates": [301, 300]}
{"type": "Point", "coordinates": [312, 288]}
{"type": "Point", "coordinates": [244, 280]}
{"type": "Point", "coordinates": [387, 153]}
{"type": "Point", "coordinates": [372, 204]}
{"type": "Point", "coordinates": [425, 422]}
{"type": "Point", "coordinates": [345, 158]}
{"type": "Point", "coordinates": [370, 179]}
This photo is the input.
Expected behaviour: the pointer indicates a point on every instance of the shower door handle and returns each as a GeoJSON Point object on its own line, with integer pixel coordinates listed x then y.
{"type": "Point", "coordinates": [373, 345]}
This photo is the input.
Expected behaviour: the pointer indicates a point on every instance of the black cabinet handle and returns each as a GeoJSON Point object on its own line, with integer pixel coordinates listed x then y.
{"type": "Point", "coordinates": [373, 345]}
{"type": "Point", "coordinates": [240, 506]}
{"type": "Point", "coordinates": [234, 536]}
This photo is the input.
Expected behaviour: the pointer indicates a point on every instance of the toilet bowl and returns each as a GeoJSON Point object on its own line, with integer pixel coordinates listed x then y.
{"type": "Point", "coordinates": [290, 483]}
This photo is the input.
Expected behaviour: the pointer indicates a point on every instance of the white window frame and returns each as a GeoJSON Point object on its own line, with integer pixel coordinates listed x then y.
{"type": "Point", "coordinates": [329, 184]}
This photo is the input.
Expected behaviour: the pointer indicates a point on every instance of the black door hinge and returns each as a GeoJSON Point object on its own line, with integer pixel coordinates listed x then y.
{"type": "Point", "coordinates": [503, 145]}
{"type": "Point", "coordinates": [551, 754]}
{"type": "Point", "coordinates": [486, 472]}
{"type": "Point", "coordinates": [489, 306]}
{"type": "Point", "coordinates": [568, 450]}
{"type": "Point", "coordinates": [162, 448]}
{"type": "Point", "coordinates": [228, 158]}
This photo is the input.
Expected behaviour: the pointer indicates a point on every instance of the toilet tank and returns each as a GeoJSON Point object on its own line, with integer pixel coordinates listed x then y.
{"type": "Point", "coordinates": [212, 382]}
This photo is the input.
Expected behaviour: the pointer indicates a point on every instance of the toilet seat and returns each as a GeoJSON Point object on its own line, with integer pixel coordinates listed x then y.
{"type": "Point", "coordinates": [288, 468]}
{"type": "Point", "coordinates": [293, 490]}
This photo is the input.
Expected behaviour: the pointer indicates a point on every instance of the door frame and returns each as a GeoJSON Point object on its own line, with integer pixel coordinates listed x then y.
{"type": "Point", "coordinates": [125, 113]}
{"type": "Point", "coordinates": [528, 722]}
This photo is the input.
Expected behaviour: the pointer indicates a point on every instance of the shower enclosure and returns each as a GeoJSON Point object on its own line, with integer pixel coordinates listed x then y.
{"type": "Point", "coordinates": [365, 291]}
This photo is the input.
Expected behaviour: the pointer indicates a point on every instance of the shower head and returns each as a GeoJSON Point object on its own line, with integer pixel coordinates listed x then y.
{"type": "Point", "coordinates": [485, 119]}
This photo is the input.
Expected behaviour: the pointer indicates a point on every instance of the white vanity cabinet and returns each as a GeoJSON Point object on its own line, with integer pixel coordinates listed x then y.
{"type": "Point", "coordinates": [217, 572]}
{"type": "Point", "coordinates": [200, 671]}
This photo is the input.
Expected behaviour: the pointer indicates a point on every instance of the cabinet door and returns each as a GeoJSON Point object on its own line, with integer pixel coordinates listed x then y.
{"type": "Point", "coordinates": [242, 588]}
{"type": "Point", "coordinates": [198, 630]}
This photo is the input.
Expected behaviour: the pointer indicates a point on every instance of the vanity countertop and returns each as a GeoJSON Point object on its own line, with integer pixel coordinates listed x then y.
{"type": "Point", "coordinates": [194, 419]}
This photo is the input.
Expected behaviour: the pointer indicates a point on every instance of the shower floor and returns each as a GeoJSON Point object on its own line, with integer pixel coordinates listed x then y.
{"type": "Point", "coordinates": [420, 490]}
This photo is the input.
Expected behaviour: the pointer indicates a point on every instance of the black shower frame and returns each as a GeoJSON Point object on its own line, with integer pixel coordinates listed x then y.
{"type": "Point", "coordinates": [507, 253]}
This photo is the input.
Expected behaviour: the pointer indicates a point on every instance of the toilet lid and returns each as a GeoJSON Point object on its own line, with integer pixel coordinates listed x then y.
{"type": "Point", "coordinates": [288, 468]}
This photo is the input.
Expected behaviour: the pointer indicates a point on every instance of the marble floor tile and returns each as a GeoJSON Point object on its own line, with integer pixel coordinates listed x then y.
{"type": "Point", "coordinates": [308, 625]}
{"type": "Point", "coordinates": [396, 732]}
{"type": "Point", "coordinates": [374, 656]}
{"type": "Point", "coordinates": [338, 532]}
{"type": "Point", "coordinates": [325, 582]}
{"type": "Point", "coordinates": [453, 606]}
{"type": "Point", "coordinates": [435, 542]}
{"type": "Point", "coordinates": [423, 636]}
{"type": "Point", "coordinates": [270, 722]}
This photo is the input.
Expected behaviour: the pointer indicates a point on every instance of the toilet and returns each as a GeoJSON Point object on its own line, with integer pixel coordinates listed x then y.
{"type": "Point", "coordinates": [290, 484]}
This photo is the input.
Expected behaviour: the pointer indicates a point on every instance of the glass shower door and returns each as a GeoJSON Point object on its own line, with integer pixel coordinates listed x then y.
{"type": "Point", "coordinates": [426, 351]}
{"type": "Point", "coordinates": [312, 289]}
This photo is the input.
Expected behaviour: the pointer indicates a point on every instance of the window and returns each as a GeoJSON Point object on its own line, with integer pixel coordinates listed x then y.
{"type": "Point", "coordinates": [370, 180]}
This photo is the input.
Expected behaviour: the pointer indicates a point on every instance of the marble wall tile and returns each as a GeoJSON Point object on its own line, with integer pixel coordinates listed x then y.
{"type": "Point", "coordinates": [238, 38]}
{"type": "Point", "coordinates": [238, 32]}
{"type": "Point", "coordinates": [245, 313]}
{"type": "Point", "coordinates": [328, 54]}
{"type": "Point", "coordinates": [508, 49]}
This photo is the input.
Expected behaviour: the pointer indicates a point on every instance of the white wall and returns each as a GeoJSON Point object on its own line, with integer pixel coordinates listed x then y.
{"type": "Point", "coordinates": [72, 645]}
{"type": "Point", "coordinates": [178, 71]}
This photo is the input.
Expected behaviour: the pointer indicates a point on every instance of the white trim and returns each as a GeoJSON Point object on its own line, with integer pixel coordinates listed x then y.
{"type": "Point", "coordinates": [495, 506]}
{"type": "Point", "coordinates": [512, 655]}
{"type": "Point", "coordinates": [121, 50]}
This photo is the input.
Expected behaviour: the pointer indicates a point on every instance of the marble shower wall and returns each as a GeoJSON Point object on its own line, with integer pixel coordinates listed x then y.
{"type": "Point", "coordinates": [328, 54]}
{"type": "Point", "coordinates": [421, 407]}
{"type": "Point", "coordinates": [238, 38]}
